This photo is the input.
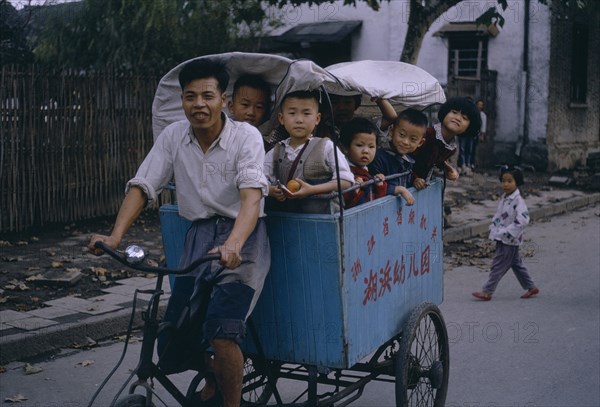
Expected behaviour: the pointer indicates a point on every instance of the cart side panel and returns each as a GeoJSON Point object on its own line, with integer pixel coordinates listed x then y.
{"type": "Point", "coordinates": [299, 314]}
{"type": "Point", "coordinates": [393, 262]}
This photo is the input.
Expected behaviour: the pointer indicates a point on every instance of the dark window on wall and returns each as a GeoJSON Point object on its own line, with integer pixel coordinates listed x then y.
{"type": "Point", "coordinates": [579, 63]}
{"type": "Point", "coordinates": [467, 55]}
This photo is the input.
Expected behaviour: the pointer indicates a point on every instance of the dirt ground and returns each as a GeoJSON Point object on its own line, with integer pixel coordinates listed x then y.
{"type": "Point", "coordinates": [60, 250]}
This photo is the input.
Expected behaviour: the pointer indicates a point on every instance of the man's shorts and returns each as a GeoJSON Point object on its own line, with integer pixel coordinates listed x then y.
{"type": "Point", "coordinates": [236, 291]}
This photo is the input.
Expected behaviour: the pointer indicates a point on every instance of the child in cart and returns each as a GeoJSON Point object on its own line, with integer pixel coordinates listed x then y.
{"type": "Point", "coordinates": [458, 116]}
{"type": "Point", "coordinates": [251, 100]}
{"type": "Point", "coordinates": [359, 141]}
{"type": "Point", "coordinates": [407, 134]}
{"type": "Point", "coordinates": [507, 231]}
{"type": "Point", "coordinates": [306, 160]}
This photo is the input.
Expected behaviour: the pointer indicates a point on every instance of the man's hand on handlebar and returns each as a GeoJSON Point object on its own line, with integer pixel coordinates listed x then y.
{"type": "Point", "coordinates": [230, 256]}
{"type": "Point", "coordinates": [108, 240]}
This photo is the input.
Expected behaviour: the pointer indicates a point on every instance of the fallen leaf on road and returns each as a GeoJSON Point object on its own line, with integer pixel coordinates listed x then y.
{"type": "Point", "coordinates": [35, 277]}
{"type": "Point", "coordinates": [3, 299]}
{"type": "Point", "coordinates": [4, 243]}
{"type": "Point", "coordinates": [22, 243]}
{"type": "Point", "coordinates": [56, 264]}
{"type": "Point", "coordinates": [2, 369]}
{"type": "Point", "coordinates": [85, 363]}
{"type": "Point", "coordinates": [16, 285]}
{"type": "Point", "coordinates": [19, 398]}
{"type": "Point", "coordinates": [99, 271]}
{"type": "Point", "coordinates": [89, 343]}
{"type": "Point", "coordinates": [29, 369]}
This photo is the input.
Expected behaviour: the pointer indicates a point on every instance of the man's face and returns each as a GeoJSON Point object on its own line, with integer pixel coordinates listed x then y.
{"type": "Point", "coordinates": [249, 105]}
{"type": "Point", "coordinates": [480, 105]}
{"type": "Point", "coordinates": [407, 137]}
{"type": "Point", "coordinates": [343, 108]}
{"type": "Point", "coordinates": [202, 102]}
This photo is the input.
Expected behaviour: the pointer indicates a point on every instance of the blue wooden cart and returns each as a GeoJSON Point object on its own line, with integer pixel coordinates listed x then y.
{"type": "Point", "coordinates": [349, 299]}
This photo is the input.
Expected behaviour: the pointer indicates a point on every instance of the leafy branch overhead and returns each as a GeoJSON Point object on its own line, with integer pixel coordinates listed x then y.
{"type": "Point", "coordinates": [145, 35]}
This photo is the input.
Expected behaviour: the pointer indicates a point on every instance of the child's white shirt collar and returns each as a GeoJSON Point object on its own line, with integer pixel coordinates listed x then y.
{"type": "Point", "coordinates": [438, 135]}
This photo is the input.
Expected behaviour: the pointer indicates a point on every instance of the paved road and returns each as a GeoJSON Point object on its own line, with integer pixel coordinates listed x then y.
{"type": "Point", "coordinates": [507, 352]}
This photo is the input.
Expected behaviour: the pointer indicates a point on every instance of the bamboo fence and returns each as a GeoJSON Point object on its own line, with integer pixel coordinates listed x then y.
{"type": "Point", "coordinates": [68, 143]}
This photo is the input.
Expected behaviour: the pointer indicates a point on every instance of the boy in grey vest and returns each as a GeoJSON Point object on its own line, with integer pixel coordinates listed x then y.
{"type": "Point", "coordinates": [308, 160]}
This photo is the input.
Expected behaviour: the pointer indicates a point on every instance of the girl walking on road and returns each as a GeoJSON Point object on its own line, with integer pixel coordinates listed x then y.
{"type": "Point", "coordinates": [507, 230]}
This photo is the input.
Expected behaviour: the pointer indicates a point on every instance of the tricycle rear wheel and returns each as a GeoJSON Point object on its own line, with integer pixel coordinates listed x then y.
{"type": "Point", "coordinates": [422, 362]}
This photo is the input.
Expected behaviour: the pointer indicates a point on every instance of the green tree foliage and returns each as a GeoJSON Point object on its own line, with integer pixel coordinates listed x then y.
{"type": "Point", "coordinates": [150, 35]}
{"type": "Point", "coordinates": [13, 35]}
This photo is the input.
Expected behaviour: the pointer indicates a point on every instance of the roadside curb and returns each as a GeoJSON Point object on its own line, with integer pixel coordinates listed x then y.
{"type": "Point", "coordinates": [480, 228]}
{"type": "Point", "coordinates": [99, 327]}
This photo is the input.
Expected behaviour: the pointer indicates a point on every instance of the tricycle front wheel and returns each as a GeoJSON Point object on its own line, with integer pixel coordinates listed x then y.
{"type": "Point", "coordinates": [422, 362]}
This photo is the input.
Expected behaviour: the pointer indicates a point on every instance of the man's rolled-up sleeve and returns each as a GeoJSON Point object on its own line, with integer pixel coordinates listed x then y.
{"type": "Point", "coordinates": [155, 171]}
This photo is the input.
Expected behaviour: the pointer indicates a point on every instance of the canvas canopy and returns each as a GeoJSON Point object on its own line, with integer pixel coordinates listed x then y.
{"type": "Point", "coordinates": [399, 82]}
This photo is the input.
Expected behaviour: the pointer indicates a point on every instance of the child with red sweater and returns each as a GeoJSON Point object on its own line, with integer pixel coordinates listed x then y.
{"type": "Point", "coordinates": [358, 138]}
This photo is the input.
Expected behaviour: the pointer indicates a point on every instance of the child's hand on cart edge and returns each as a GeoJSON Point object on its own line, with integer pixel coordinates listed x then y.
{"type": "Point", "coordinates": [110, 241]}
{"type": "Point", "coordinates": [405, 193]}
{"type": "Point", "coordinates": [420, 183]}
{"type": "Point", "coordinates": [230, 255]}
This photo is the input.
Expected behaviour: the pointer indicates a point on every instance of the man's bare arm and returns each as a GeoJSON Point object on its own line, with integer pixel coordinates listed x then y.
{"type": "Point", "coordinates": [131, 208]}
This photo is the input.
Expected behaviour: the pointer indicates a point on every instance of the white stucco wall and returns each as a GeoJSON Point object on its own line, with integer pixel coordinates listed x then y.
{"type": "Point", "coordinates": [505, 55]}
{"type": "Point", "coordinates": [539, 63]}
{"type": "Point", "coordinates": [382, 37]}
{"type": "Point", "coordinates": [373, 39]}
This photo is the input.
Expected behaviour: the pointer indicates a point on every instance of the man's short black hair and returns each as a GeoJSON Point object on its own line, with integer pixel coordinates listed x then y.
{"type": "Point", "coordinates": [465, 106]}
{"type": "Point", "coordinates": [515, 171]}
{"type": "Point", "coordinates": [413, 116]}
{"type": "Point", "coordinates": [355, 126]}
{"type": "Point", "coordinates": [204, 68]}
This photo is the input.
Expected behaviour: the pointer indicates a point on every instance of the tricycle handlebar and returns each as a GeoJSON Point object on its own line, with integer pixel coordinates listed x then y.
{"type": "Point", "coordinates": [121, 258]}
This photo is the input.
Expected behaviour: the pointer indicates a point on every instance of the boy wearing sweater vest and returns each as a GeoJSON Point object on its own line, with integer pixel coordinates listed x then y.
{"type": "Point", "coordinates": [308, 160]}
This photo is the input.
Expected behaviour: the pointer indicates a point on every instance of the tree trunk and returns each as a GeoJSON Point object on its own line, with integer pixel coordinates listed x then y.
{"type": "Point", "coordinates": [419, 21]}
